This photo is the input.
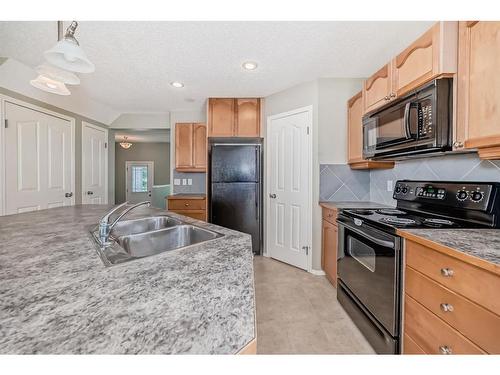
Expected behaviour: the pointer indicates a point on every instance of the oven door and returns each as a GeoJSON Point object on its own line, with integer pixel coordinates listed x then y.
{"type": "Point", "coordinates": [369, 264]}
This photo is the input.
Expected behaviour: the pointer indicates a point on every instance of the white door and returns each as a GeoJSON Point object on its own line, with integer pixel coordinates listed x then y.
{"type": "Point", "coordinates": [39, 165]}
{"type": "Point", "coordinates": [289, 226]}
{"type": "Point", "coordinates": [94, 164]}
{"type": "Point", "coordinates": [139, 181]}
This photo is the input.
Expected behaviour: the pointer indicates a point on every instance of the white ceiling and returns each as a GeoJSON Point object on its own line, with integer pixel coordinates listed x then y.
{"type": "Point", "coordinates": [135, 61]}
{"type": "Point", "coordinates": [146, 135]}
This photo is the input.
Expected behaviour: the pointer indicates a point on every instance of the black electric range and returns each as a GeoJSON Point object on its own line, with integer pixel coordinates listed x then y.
{"type": "Point", "coordinates": [370, 251]}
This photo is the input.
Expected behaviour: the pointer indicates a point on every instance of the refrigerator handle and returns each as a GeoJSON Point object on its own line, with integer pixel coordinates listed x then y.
{"type": "Point", "coordinates": [257, 169]}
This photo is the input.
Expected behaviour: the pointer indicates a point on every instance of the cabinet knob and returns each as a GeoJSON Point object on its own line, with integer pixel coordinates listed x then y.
{"type": "Point", "coordinates": [446, 307]}
{"type": "Point", "coordinates": [458, 144]}
{"type": "Point", "coordinates": [392, 95]}
{"type": "Point", "coordinates": [186, 204]}
{"type": "Point", "coordinates": [386, 97]}
{"type": "Point", "coordinates": [446, 272]}
{"type": "Point", "coordinates": [445, 350]}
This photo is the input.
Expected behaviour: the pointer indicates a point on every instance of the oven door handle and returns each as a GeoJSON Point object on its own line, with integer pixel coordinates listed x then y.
{"type": "Point", "coordinates": [376, 240]}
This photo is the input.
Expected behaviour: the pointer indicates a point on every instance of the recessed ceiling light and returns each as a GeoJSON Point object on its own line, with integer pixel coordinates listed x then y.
{"type": "Point", "coordinates": [177, 84]}
{"type": "Point", "coordinates": [249, 65]}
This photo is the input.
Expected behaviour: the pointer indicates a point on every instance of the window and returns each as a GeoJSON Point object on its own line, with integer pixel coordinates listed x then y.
{"type": "Point", "coordinates": [139, 179]}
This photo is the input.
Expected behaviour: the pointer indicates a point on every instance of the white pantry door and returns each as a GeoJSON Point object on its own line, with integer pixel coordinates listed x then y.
{"type": "Point", "coordinates": [39, 160]}
{"type": "Point", "coordinates": [94, 164]}
{"type": "Point", "coordinates": [289, 227]}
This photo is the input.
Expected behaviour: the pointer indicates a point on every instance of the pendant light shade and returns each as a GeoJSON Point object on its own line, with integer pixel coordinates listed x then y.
{"type": "Point", "coordinates": [49, 85]}
{"type": "Point", "coordinates": [68, 55]}
{"type": "Point", "coordinates": [57, 74]}
{"type": "Point", "coordinates": [126, 145]}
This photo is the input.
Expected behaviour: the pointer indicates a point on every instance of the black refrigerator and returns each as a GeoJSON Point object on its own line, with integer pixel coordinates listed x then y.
{"type": "Point", "coordinates": [235, 186]}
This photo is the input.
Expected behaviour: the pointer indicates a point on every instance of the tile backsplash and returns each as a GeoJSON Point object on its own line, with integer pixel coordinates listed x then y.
{"type": "Point", "coordinates": [198, 186]}
{"type": "Point", "coordinates": [340, 183]}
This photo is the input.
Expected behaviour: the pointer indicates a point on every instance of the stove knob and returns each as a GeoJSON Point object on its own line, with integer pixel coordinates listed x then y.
{"type": "Point", "coordinates": [461, 195]}
{"type": "Point", "coordinates": [404, 190]}
{"type": "Point", "coordinates": [477, 196]}
{"type": "Point", "coordinates": [398, 189]}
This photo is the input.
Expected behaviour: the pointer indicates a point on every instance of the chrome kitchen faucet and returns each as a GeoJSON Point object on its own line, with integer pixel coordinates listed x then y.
{"type": "Point", "coordinates": [104, 225]}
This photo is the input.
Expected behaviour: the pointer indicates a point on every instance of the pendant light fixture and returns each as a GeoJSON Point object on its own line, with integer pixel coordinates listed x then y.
{"type": "Point", "coordinates": [126, 145]}
{"type": "Point", "coordinates": [67, 53]}
{"type": "Point", "coordinates": [49, 85]}
{"type": "Point", "coordinates": [57, 74]}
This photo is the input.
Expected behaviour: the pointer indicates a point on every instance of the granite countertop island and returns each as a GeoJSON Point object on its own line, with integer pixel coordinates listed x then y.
{"type": "Point", "coordinates": [479, 246]}
{"type": "Point", "coordinates": [56, 295]}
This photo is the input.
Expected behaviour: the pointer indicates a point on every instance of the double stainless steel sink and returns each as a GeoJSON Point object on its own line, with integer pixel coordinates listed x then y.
{"type": "Point", "coordinates": [139, 238]}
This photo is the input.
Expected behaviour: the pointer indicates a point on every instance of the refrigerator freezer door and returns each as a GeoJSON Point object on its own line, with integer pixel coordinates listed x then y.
{"type": "Point", "coordinates": [236, 206]}
{"type": "Point", "coordinates": [232, 163]}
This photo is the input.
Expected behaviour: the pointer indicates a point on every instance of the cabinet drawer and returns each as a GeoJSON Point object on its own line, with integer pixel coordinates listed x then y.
{"type": "Point", "coordinates": [330, 215]}
{"type": "Point", "coordinates": [186, 204]}
{"type": "Point", "coordinates": [195, 214]}
{"type": "Point", "coordinates": [476, 323]}
{"type": "Point", "coordinates": [470, 281]}
{"type": "Point", "coordinates": [410, 346]}
{"type": "Point", "coordinates": [432, 334]}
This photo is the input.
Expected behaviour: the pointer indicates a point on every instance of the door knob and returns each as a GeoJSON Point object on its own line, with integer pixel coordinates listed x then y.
{"type": "Point", "coordinates": [90, 192]}
{"type": "Point", "coordinates": [272, 196]}
{"type": "Point", "coordinates": [68, 195]}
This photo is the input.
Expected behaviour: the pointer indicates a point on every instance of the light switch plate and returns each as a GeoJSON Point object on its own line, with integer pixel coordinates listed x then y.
{"type": "Point", "coordinates": [190, 181]}
{"type": "Point", "coordinates": [184, 181]}
{"type": "Point", "coordinates": [389, 185]}
{"type": "Point", "coordinates": [177, 181]}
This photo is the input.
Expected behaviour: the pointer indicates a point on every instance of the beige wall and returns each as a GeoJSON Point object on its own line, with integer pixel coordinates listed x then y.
{"type": "Point", "coordinates": [159, 153]}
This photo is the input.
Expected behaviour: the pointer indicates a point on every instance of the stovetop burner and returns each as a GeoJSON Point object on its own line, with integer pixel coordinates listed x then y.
{"type": "Point", "coordinates": [390, 211]}
{"type": "Point", "coordinates": [398, 220]}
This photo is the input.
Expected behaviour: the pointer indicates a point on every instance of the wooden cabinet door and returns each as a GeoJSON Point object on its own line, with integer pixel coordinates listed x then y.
{"type": "Point", "coordinates": [200, 146]}
{"type": "Point", "coordinates": [479, 86]}
{"type": "Point", "coordinates": [378, 88]}
{"type": "Point", "coordinates": [247, 117]}
{"type": "Point", "coordinates": [221, 117]}
{"type": "Point", "coordinates": [431, 55]}
{"type": "Point", "coordinates": [183, 146]}
{"type": "Point", "coordinates": [330, 242]}
{"type": "Point", "coordinates": [355, 128]}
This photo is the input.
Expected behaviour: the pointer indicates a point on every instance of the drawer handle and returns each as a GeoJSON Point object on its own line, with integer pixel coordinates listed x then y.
{"type": "Point", "coordinates": [445, 349]}
{"type": "Point", "coordinates": [447, 272]}
{"type": "Point", "coordinates": [446, 307]}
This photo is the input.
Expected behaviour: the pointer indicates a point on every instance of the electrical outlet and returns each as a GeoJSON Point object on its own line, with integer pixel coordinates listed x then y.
{"type": "Point", "coordinates": [184, 181]}
{"type": "Point", "coordinates": [177, 181]}
{"type": "Point", "coordinates": [389, 185]}
{"type": "Point", "coordinates": [190, 181]}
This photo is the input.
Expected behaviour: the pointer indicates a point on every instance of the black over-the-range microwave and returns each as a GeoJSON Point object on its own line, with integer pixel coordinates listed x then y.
{"type": "Point", "coordinates": [420, 122]}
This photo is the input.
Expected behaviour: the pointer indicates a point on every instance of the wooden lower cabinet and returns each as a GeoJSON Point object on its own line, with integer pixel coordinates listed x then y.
{"type": "Point", "coordinates": [329, 239]}
{"type": "Point", "coordinates": [450, 305]}
{"type": "Point", "coordinates": [188, 205]}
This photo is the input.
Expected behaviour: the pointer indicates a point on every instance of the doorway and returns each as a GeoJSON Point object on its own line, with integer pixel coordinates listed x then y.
{"type": "Point", "coordinates": [289, 167]}
{"type": "Point", "coordinates": [139, 181]}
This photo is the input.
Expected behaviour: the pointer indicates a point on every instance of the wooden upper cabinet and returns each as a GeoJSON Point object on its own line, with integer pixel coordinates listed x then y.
{"type": "Point", "coordinates": [247, 117]}
{"type": "Point", "coordinates": [355, 128]}
{"type": "Point", "coordinates": [221, 117]}
{"type": "Point", "coordinates": [377, 89]}
{"type": "Point", "coordinates": [190, 147]}
{"type": "Point", "coordinates": [183, 146]}
{"type": "Point", "coordinates": [431, 55]}
{"type": "Point", "coordinates": [230, 117]}
{"type": "Point", "coordinates": [200, 146]}
{"type": "Point", "coordinates": [479, 86]}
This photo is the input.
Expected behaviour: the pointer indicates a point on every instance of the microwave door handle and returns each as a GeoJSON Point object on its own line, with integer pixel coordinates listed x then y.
{"type": "Point", "coordinates": [406, 120]}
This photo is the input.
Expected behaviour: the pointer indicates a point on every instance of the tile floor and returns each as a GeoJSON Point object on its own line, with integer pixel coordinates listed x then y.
{"type": "Point", "coordinates": [298, 313]}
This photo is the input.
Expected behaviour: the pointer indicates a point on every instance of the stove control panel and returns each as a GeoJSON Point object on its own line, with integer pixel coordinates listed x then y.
{"type": "Point", "coordinates": [467, 195]}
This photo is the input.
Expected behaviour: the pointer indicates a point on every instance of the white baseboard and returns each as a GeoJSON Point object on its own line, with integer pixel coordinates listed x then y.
{"type": "Point", "coordinates": [317, 272]}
